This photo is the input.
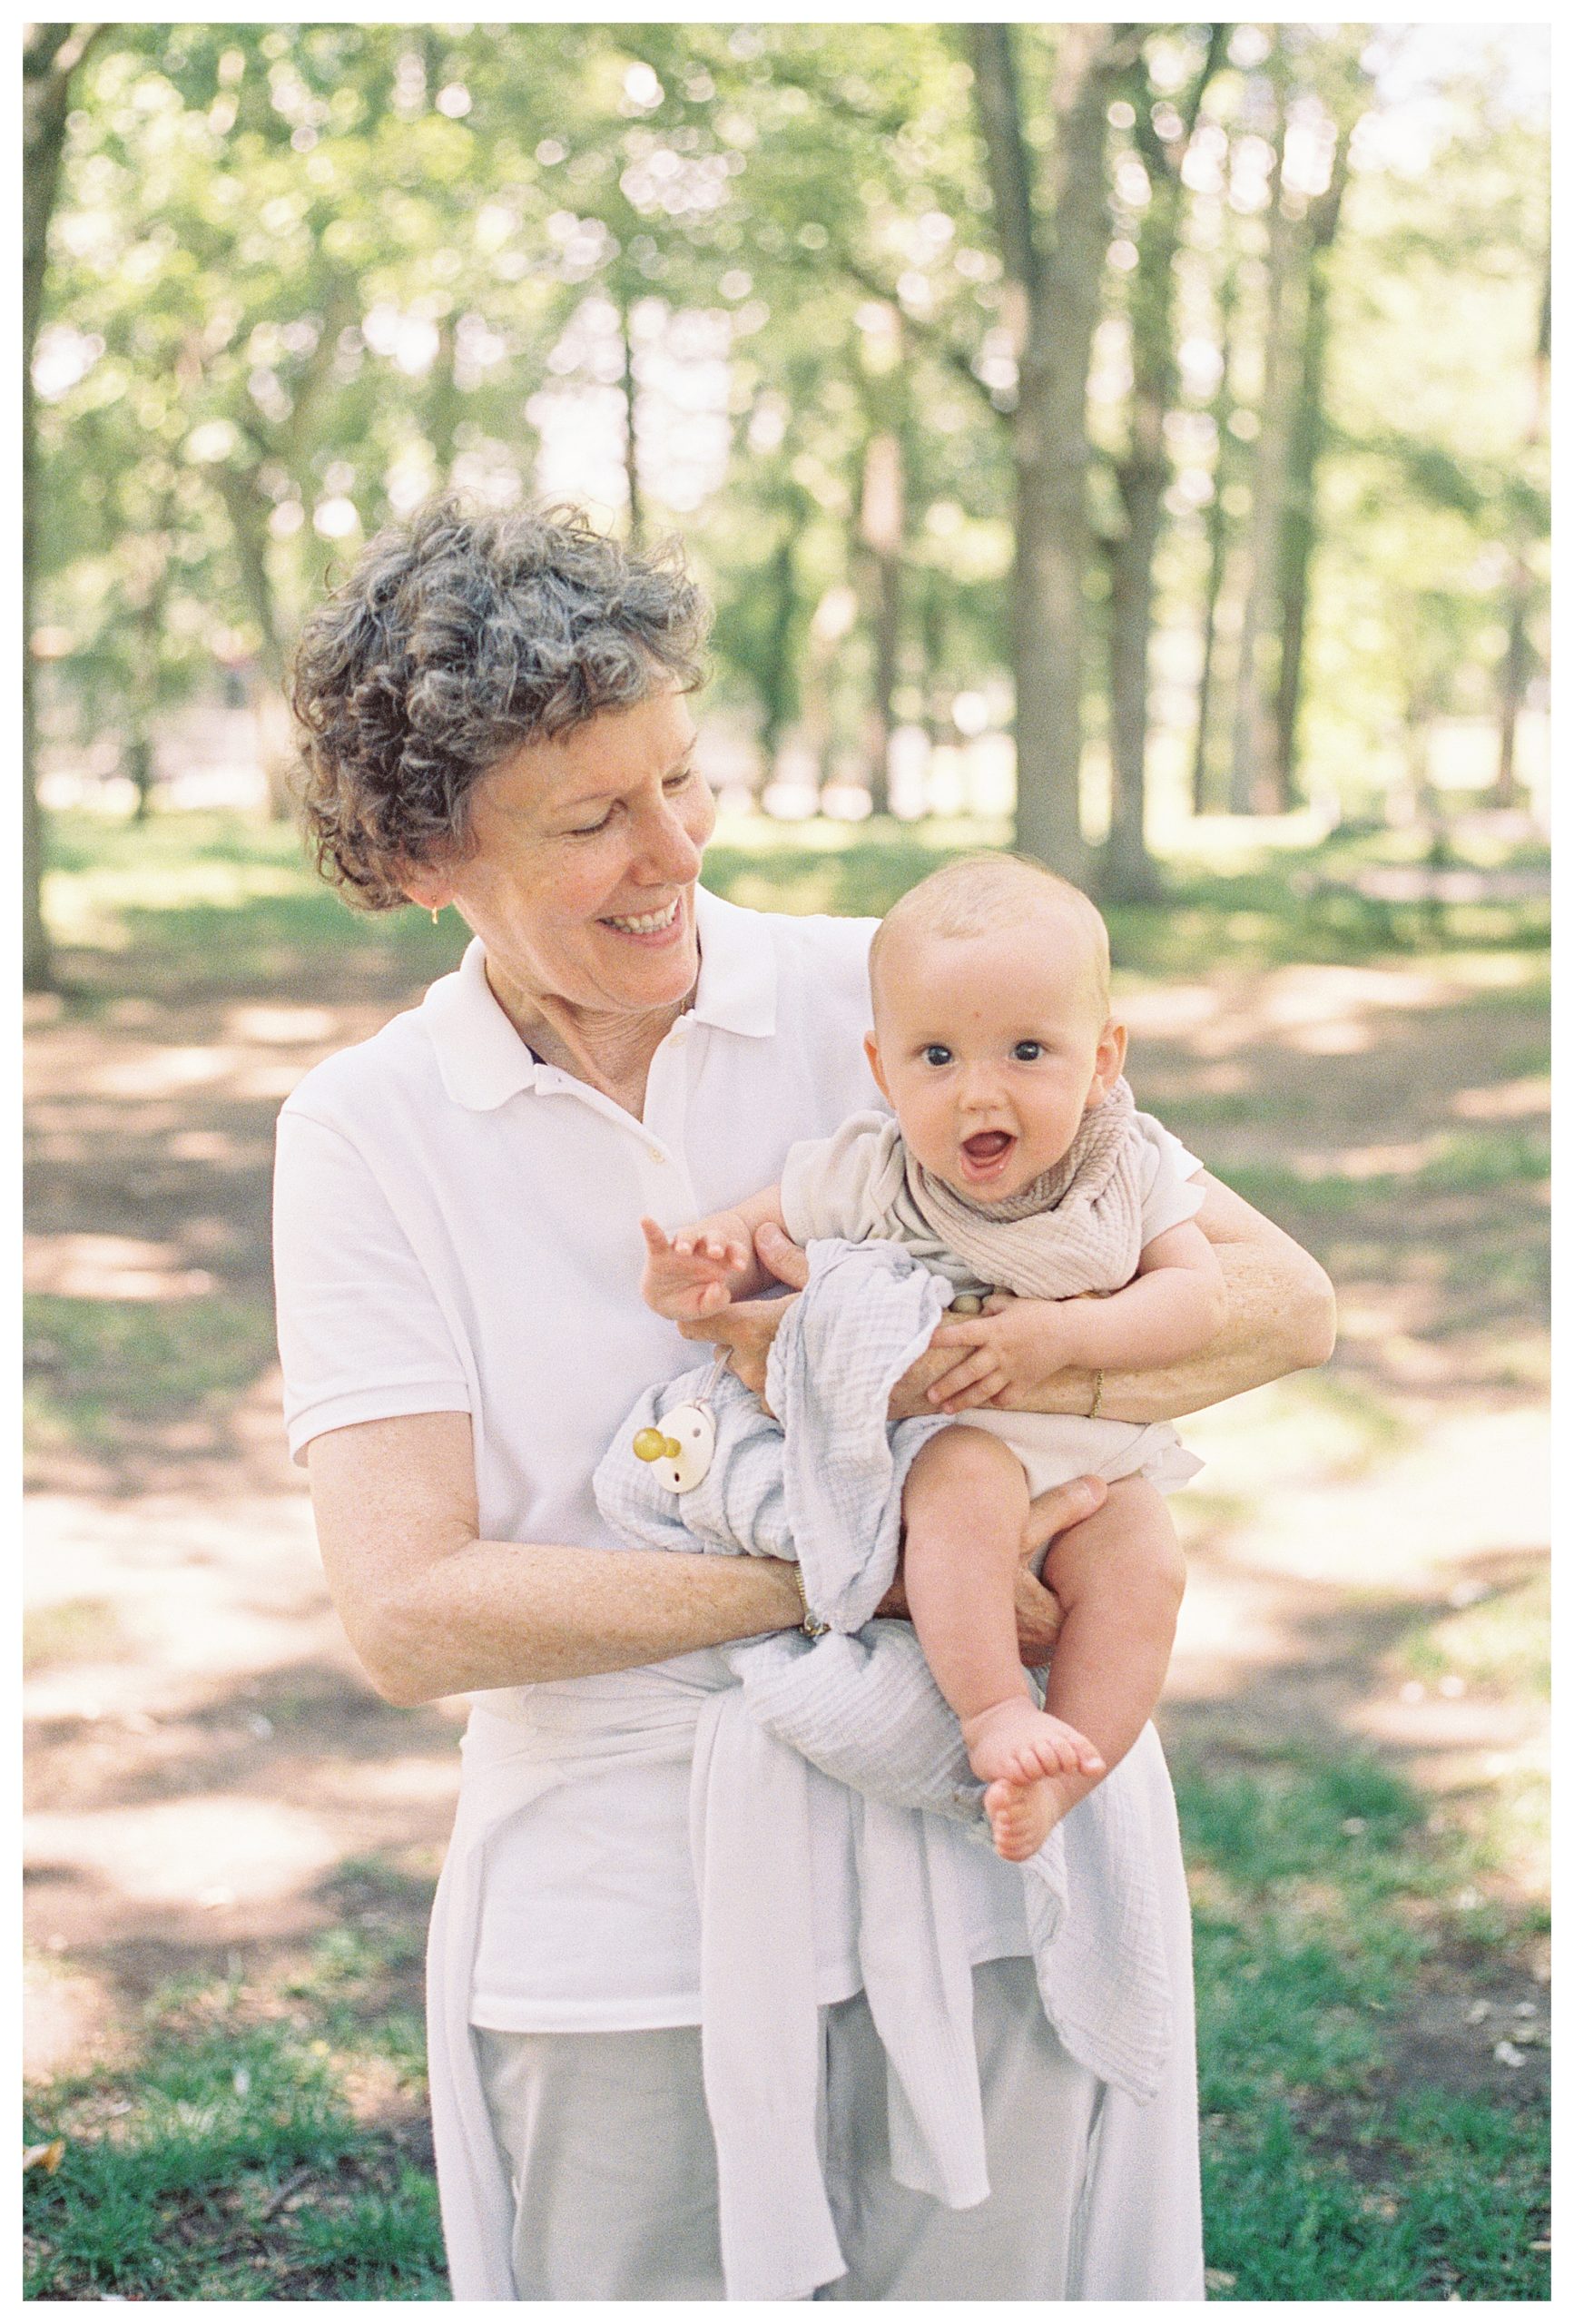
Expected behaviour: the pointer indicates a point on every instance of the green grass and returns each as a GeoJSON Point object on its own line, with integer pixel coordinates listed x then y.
{"type": "Point", "coordinates": [232, 2154]}
{"type": "Point", "coordinates": [1322, 1890]}
{"type": "Point", "coordinates": [102, 1368]}
{"type": "Point", "coordinates": [1320, 1894]}
{"type": "Point", "coordinates": [72, 1629]}
{"type": "Point", "coordinates": [238, 904]}
{"type": "Point", "coordinates": [1462, 1162]}
{"type": "Point", "coordinates": [254, 2140]}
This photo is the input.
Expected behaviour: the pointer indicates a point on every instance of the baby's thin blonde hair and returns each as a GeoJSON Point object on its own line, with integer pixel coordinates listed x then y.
{"type": "Point", "coordinates": [976, 894]}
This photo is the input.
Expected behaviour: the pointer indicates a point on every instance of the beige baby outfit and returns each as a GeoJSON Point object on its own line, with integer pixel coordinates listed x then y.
{"type": "Point", "coordinates": [1082, 1227]}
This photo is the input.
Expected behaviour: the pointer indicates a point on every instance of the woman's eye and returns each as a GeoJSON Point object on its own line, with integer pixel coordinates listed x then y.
{"type": "Point", "coordinates": [1028, 1052]}
{"type": "Point", "coordinates": [937, 1053]}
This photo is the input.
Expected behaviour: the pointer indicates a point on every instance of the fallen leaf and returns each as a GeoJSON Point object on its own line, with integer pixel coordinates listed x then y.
{"type": "Point", "coordinates": [44, 2158]}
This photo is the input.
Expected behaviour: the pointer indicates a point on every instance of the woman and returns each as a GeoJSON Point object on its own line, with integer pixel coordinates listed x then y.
{"type": "Point", "coordinates": [497, 717]}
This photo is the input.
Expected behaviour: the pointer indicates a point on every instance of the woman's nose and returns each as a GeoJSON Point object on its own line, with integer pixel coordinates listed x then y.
{"type": "Point", "coordinates": [668, 849]}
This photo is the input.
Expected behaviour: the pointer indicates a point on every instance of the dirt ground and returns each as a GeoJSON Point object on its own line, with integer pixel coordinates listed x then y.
{"type": "Point", "coordinates": [211, 1779]}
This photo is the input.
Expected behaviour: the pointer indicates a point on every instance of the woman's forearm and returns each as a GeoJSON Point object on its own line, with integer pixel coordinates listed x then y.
{"type": "Point", "coordinates": [432, 1609]}
{"type": "Point", "coordinates": [505, 1614]}
{"type": "Point", "coordinates": [1278, 1319]}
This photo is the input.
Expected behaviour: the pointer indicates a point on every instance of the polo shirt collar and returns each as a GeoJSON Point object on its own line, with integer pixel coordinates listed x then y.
{"type": "Point", "coordinates": [483, 1062]}
{"type": "Point", "coordinates": [737, 986]}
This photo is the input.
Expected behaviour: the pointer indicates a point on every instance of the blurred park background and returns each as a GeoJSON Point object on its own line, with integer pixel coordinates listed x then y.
{"type": "Point", "coordinates": [1129, 442]}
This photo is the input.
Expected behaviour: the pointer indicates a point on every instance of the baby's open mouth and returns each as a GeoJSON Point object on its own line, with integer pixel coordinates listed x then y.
{"type": "Point", "coordinates": [986, 1147]}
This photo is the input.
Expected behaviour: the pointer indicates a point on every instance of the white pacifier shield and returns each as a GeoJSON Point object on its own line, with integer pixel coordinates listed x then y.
{"type": "Point", "coordinates": [692, 1429]}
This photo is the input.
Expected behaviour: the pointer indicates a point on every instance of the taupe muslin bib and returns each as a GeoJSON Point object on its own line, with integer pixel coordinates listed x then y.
{"type": "Point", "coordinates": [1078, 1227]}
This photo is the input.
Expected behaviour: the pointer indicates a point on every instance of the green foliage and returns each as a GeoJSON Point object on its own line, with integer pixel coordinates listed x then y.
{"type": "Point", "coordinates": [302, 275]}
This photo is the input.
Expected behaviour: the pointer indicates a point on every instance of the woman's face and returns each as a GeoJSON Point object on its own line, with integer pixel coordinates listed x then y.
{"type": "Point", "coordinates": [586, 848]}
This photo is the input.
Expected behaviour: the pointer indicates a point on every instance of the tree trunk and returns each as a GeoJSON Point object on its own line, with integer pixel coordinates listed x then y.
{"type": "Point", "coordinates": [1254, 785]}
{"type": "Point", "coordinates": [1126, 871]}
{"type": "Point", "coordinates": [276, 749]}
{"type": "Point", "coordinates": [775, 674]}
{"type": "Point", "coordinates": [630, 426]}
{"type": "Point", "coordinates": [1300, 526]}
{"type": "Point", "coordinates": [1515, 674]}
{"type": "Point", "coordinates": [1142, 478]}
{"type": "Point", "coordinates": [442, 401]}
{"type": "Point", "coordinates": [882, 525]}
{"type": "Point", "coordinates": [51, 55]}
{"type": "Point", "coordinates": [1218, 533]}
{"type": "Point", "coordinates": [1055, 293]}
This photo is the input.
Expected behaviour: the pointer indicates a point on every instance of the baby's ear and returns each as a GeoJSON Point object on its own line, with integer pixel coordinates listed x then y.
{"type": "Point", "coordinates": [1108, 1061]}
{"type": "Point", "coordinates": [871, 1051]}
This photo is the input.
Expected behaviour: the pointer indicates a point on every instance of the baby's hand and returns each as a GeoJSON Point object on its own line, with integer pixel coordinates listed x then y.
{"type": "Point", "coordinates": [1011, 1348]}
{"type": "Point", "coordinates": [686, 1275]}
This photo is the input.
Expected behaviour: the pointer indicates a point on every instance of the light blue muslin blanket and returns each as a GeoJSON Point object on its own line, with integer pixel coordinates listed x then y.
{"type": "Point", "coordinates": [822, 1484]}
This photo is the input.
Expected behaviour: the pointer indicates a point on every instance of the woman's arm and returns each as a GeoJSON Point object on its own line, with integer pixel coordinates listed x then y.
{"type": "Point", "coordinates": [432, 1609]}
{"type": "Point", "coordinates": [1278, 1318]}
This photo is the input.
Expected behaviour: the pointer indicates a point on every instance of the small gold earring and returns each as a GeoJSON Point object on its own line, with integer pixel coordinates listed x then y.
{"type": "Point", "coordinates": [434, 915]}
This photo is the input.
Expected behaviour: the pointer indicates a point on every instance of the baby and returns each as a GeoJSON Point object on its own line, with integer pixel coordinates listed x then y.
{"type": "Point", "coordinates": [1018, 1168]}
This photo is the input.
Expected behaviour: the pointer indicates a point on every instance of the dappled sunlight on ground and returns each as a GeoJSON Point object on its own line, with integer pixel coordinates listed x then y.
{"type": "Point", "coordinates": [208, 1768]}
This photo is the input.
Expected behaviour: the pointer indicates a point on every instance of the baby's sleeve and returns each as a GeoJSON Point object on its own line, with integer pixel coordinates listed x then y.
{"type": "Point", "coordinates": [1170, 1195]}
{"type": "Point", "coordinates": [826, 1181]}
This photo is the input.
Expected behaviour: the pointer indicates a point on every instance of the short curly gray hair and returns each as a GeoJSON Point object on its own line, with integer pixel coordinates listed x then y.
{"type": "Point", "coordinates": [456, 638]}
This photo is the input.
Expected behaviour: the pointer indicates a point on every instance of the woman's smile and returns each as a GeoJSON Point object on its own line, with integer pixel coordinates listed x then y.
{"type": "Point", "coordinates": [651, 929]}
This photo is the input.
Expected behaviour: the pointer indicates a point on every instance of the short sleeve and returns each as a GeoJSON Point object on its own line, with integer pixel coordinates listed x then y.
{"type": "Point", "coordinates": [361, 1334]}
{"type": "Point", "coordinates": [1170, 1195]}
{"type": "Point", "coordinates": [826, 1182]}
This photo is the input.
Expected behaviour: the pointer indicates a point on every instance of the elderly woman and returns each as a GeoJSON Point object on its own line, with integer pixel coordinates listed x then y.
{"type": "Point", "coordinates": [496, 714]}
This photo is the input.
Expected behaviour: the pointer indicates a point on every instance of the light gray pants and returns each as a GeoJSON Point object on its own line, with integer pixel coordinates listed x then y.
{"type": "Point", "coordinates": [615, 2173]}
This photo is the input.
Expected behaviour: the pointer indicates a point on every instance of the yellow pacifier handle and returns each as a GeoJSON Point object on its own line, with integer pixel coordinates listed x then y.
{"type": "Point", "coordinates": [650, 1444]}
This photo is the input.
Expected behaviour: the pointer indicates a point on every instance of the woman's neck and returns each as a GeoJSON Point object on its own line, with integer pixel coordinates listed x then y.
{"type": "Point", "coordinates": [609, 1048]}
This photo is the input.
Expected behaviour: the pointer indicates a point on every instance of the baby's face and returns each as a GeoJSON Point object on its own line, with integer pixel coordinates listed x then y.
{"type": "Point", "coordinates": [990, 1049]}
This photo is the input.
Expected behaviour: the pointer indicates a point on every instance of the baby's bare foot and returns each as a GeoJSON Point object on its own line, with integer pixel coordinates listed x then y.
{"type": "Point", "coordinates": [1023, 1815]}
{"type": "Point", "coordinates": [1015, 1742]}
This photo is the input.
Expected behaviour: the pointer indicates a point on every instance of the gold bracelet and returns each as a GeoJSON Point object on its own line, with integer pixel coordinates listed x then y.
{"type": "Point", "coordinates": [812, 1626]}
{"type": "Point", "coordinates": [1098, 1395]}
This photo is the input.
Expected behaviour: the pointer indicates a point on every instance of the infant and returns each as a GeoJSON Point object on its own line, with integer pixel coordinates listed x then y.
{"type": "Point", "coordinates": [1018, 1168]}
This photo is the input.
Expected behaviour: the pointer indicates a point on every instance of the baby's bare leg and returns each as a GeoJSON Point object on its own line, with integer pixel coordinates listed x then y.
{"type": "Point", "coordinates": [965, 1504]}
{"type": "Point", "coordinates": [1119, 1576]}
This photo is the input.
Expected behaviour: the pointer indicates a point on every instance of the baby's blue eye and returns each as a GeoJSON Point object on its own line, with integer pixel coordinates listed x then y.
{"type": "Point", "coordinates": [1028, 1052]}
{"type": "Point", "coordinates": [937, 1053]}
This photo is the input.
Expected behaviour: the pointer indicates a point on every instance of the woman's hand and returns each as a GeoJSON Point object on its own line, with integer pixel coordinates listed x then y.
{"type": "Point", "coordinates": [1038, 1613]}
{"type": "Point", "coordinates": [748, 1326]}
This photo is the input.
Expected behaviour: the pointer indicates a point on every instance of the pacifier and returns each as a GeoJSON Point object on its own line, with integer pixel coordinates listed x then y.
{"type": "Point", "coordinates": [681, 1445]}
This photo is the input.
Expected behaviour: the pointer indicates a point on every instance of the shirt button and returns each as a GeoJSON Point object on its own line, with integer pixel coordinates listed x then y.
{"type": "Point", "coordinates": [655, 1154]}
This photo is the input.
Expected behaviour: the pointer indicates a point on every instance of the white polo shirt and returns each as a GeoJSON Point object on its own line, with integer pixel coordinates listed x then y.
{"type": "Point", "coordinates": [457, 1230]}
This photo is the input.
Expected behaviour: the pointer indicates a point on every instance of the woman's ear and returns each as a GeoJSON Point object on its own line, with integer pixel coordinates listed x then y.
{"type": "Point", "coordinates": [1108, 1062]}
{"type": "Point", "coordinates": [871, 1051]}
{"type": "Point", "coordinates": [424, 884]}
